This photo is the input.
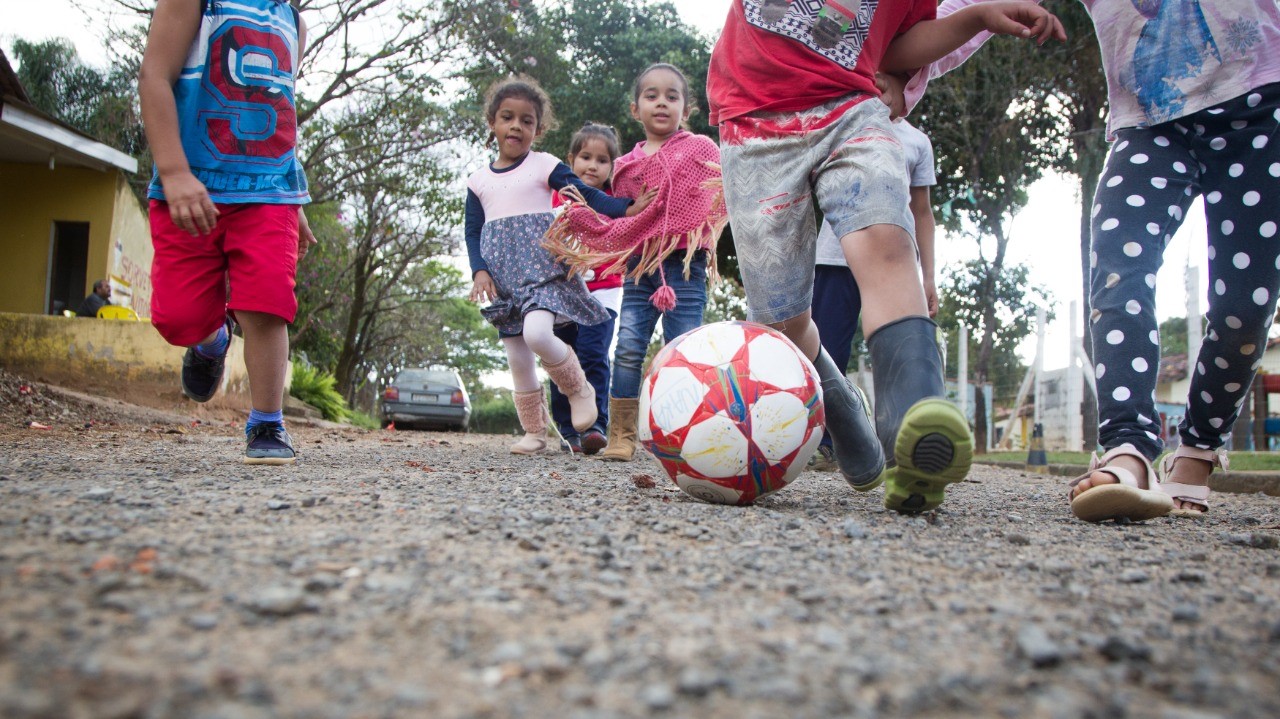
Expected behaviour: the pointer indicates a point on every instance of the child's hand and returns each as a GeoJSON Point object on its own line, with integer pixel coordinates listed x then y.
{"type": "Point", "coordinates": [931, 296]}
{"type": "Point", "coordinates": [189, 205]}
{"type": "Point", "coordinates": [483, 289]}
{"type": "Point", "coordinates": [1021, 19]}
{"type": "Point", "coordinates": [306, 238]}
{"type": "Point", "coordinates": [892, 89]}
{"type": "Point", "coordinates": [642, 201]}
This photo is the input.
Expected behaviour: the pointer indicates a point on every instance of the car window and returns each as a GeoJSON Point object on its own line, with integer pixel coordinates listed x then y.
{"type": "Point", "coordinates": [425, 376]}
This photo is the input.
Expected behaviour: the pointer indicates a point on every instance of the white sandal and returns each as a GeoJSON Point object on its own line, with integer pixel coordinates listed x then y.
{"type": "Point", "coordinates": [1127, 499]}
{"type": "Point", "coordinates": [1192, 493]}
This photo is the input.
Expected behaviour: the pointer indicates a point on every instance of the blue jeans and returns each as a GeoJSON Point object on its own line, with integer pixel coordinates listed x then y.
{"type": "Point", "coordinates": [592, 345]}
{"type": "Point", "coordinates": [639, 317]}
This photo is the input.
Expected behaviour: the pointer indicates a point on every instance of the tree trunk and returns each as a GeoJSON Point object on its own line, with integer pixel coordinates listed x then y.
{"type": "Point", "coordinates": [982, 367]}
{"type": "Point", "coordinates": [349, 357]}
{"type": "Point", "coordinates": [1088, 184]}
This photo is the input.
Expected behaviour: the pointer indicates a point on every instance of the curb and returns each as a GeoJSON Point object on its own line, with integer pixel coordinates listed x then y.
{"type": "Point", "coordinates": [1236, 482]}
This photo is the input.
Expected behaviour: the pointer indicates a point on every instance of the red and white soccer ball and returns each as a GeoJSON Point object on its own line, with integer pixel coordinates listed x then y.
{"type": "Point", "coordinates": [732, 411]}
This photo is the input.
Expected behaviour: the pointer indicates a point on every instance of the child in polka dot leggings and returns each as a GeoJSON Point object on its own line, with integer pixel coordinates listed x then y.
{"type": "Point", "coordinates": [1194, 90]}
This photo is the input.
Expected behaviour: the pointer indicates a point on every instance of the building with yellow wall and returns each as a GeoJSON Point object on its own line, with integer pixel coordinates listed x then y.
{"type": "Point", "coordinates": [67, 214]}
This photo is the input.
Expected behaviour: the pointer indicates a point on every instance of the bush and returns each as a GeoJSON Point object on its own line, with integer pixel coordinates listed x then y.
{"type": "Point", "coordinates": [496, 416]}
{"type": "Point", "coordinates": [362, 420]}
{"type": "Point", "coordinates": [316, 388]}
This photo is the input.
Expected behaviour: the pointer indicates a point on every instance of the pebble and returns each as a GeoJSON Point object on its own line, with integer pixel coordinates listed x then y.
{"type": "Point", "coordinates": [278, 601]}
{"type": "Point", "coordinates": [276, 504]}
{"type": "Point", "coordinates": [1038, 648]}
{"type": "Point", "coordinates": [98, 494]}
{"type": "Point", "coordinates": [657, 697]}
{"type": "Point", "coordinates": [1189, 613]}
{"type": "Point", "coordinates": [202, 622]}
{"type": "Point", "coordinates": [853, 530]}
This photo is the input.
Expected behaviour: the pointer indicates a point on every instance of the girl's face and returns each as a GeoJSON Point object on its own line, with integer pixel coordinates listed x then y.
{"type": "Point", "coordinates": [515, 125]}
{"type": "Point", "coordinates": [593, 162]}
{"type": "Point", "coordinates": [661, 105]}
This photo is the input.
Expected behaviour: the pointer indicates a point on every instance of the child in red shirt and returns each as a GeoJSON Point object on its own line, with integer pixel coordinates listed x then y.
{"type": "Point", "coordinates": [788, 85]}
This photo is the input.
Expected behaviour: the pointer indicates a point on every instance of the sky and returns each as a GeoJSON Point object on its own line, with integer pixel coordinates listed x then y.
{"type": "Point", "coordinates": [1045, 235]}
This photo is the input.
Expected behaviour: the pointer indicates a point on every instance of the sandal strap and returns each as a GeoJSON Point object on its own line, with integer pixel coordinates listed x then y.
{"type": "Point", "coordinates": [1197, 493]}
{"type": "Point", "coordinates": [1215, 457]}
{"type": "Point", "coordinates": [1122, 475]}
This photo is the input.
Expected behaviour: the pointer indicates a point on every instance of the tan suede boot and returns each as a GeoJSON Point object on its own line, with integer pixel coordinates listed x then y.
{"type": "Point", "coordinates": [568, 376]}
{"type": "Point", "coordinates": [531, 408]}
{"type": "Point", "coordinates": [622, 429]}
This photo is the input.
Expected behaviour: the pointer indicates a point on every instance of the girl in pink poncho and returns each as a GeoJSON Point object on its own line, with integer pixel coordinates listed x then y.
{"type": "Point", "coordinates": [668, 248]}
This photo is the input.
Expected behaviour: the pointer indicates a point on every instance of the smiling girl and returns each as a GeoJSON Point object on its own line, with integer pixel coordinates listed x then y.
{"type": "Point", "coordinates": [508, 211]}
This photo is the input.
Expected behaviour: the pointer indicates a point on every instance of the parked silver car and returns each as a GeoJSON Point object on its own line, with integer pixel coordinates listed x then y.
{"type": "Point", "coordinates": [427, 398]}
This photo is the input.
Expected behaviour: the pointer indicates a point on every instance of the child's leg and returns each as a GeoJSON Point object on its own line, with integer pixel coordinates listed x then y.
{"type": "Point", "coordinates": [530, 401]}
{"type": "Point", "coordinates": [569, 334]}
{"type": "Point", "coordinates": [1240, 148]}
{"type": "Point", "coordinates": [634, 332]}
{"type": "Point", "coordinates": [837, 305]}
{"type": "Point", "coordinates": [1146, 186]}
{"type": "Point", "coordinates": [262, 248]}
{"type": "Point", "coordinates": [767, 167]}
{"type": "Point", "coordinates": [561, 363]}
{"type": "Point", "coordinates": [593, 352]}
{"type": "Point", "coordinates": [691, 296]}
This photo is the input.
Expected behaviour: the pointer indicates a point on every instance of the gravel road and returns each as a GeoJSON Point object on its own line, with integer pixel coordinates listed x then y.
{"type": "Point", "coordinates": [145, 572]}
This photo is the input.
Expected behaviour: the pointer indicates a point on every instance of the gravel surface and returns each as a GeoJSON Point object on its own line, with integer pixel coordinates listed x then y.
{"type": "Point", "coordinates": [145, 572]}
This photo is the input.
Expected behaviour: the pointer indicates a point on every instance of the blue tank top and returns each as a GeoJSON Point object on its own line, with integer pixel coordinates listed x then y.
{"type": "Point", "coordinates": [235, 100]}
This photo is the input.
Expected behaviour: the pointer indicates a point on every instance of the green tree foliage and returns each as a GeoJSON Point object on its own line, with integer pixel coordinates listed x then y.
{"type": "Point", "coordinates": [100, 103]}
{"type": "Point", "coordinates": [1173, 336]}
{"type": "Point", "coordinates": [1015, 312]}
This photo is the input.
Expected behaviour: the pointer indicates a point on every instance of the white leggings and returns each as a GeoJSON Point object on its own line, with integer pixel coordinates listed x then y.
{"type": "Point", "coordinates": [538, 339]}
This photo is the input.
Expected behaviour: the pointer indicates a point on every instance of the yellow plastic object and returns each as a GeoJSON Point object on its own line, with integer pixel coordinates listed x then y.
{"type": "Point", "coordinates": [114, 312]}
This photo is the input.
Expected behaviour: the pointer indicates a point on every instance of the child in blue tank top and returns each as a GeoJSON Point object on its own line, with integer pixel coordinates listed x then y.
{"type": "Point", "coordinates": [217, 89]}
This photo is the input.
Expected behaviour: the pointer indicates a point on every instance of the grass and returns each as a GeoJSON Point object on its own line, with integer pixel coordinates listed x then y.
{"type": "Point", "coordinates": [1240, 461]}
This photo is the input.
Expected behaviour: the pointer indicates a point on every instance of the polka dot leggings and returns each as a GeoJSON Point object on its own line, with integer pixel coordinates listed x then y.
{"type": "Point", "coordinates": [1231, 154]}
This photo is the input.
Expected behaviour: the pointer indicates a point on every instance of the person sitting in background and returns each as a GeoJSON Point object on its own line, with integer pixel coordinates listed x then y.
{"type": "Point", "coordinates": [100, 297]}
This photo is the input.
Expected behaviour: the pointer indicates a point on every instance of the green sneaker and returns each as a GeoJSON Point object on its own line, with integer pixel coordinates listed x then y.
{"type": "Point", "coordinates": [824, 460]}
{"type": "Point", "coordinates": [933, 449]}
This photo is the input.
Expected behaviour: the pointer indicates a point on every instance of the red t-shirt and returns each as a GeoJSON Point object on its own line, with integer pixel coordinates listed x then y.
{"type": "Point", "coordinates": [762, 66]}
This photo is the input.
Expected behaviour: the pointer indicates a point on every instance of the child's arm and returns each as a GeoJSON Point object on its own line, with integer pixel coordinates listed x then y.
{"type": "Point", "coordinates": [930, 40]}
{"type": "Point", "coordinates": [599, 201]}
{"type": "Point", "coordinates": [482, 287]}
{"type": "Point", "coordinates": [919, 82]}
{"type": "Point", "coordinates": [922, 211]}
{"type": "Point", "coordinates": [173, 28]}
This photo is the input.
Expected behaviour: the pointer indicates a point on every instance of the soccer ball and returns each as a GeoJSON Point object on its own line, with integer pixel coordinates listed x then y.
{"type": "Point", "coordinates": [732, 411]}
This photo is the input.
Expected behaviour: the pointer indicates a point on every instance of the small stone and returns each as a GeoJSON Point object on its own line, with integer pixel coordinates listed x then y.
{"type": "Point", "coordinates": [1190, 576]}
{"type": "Point", "coordinates": [643, 481]}
{"type": "Point", "coordinates": [98, 494]}
{"type": "Point", "coordinates": [278, 601]}
{"type": "Point", "coordinates": [276, 505]}
{"type": "Point", "coordinates": [309, 502]}
{"type": "Point", "coordinates": [202, 622]}
{"type": "Point", "coordinates": [1134, 576]}
{"type": "Point", "coordinates": [853, 530]}
{"type": "Point", "coordinates": [1035, 645]}
{"type": "Point", "coordinates": [1119, 649]}
{"type": "Point", "coordinates": [1021, 540]}
{"type": "Point", "coordinates": [658, 697]}
{"type": "Point", "coordinates": [696, 682]}
{"type": "Point", "coordinates": [1186, 613]}
{"type": "Point", "coordinates": [1255, 540]}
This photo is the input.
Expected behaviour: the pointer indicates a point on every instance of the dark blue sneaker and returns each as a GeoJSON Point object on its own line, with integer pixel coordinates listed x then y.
{"type": "Point", "coordinates": [268, 443]}
{"type": "Point", "coordinates": [201, 376]}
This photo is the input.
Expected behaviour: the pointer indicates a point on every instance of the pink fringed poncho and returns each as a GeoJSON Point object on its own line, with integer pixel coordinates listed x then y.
{"type": "Point", "coordinates": [688, 212]}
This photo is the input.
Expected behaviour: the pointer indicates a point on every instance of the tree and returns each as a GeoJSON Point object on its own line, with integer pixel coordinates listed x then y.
{"type": "Point", "coordinates": [1015, 312]}
{"type": "Point", "coordinates": [100, 103]}
{"type": "Point", "coordinates": [996, 129]}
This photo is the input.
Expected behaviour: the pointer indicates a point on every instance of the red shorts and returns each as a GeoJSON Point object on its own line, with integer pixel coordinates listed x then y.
{"type": "Point", "coordinates": [247, 263]}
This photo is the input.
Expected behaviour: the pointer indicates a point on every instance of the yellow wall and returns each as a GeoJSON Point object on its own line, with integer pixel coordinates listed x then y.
{"type": "Point", "coordinates": [114, 358]}
{"type": "Point", "coordinates": [131, 249]}
{"type": "Point", "coordinates": [32, 198]}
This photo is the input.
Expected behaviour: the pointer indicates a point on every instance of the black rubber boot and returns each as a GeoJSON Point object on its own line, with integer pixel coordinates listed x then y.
{"type": "Point", "coordinates": [925, 438]}
{"type": "Point", "coordinates": [853, 438]}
